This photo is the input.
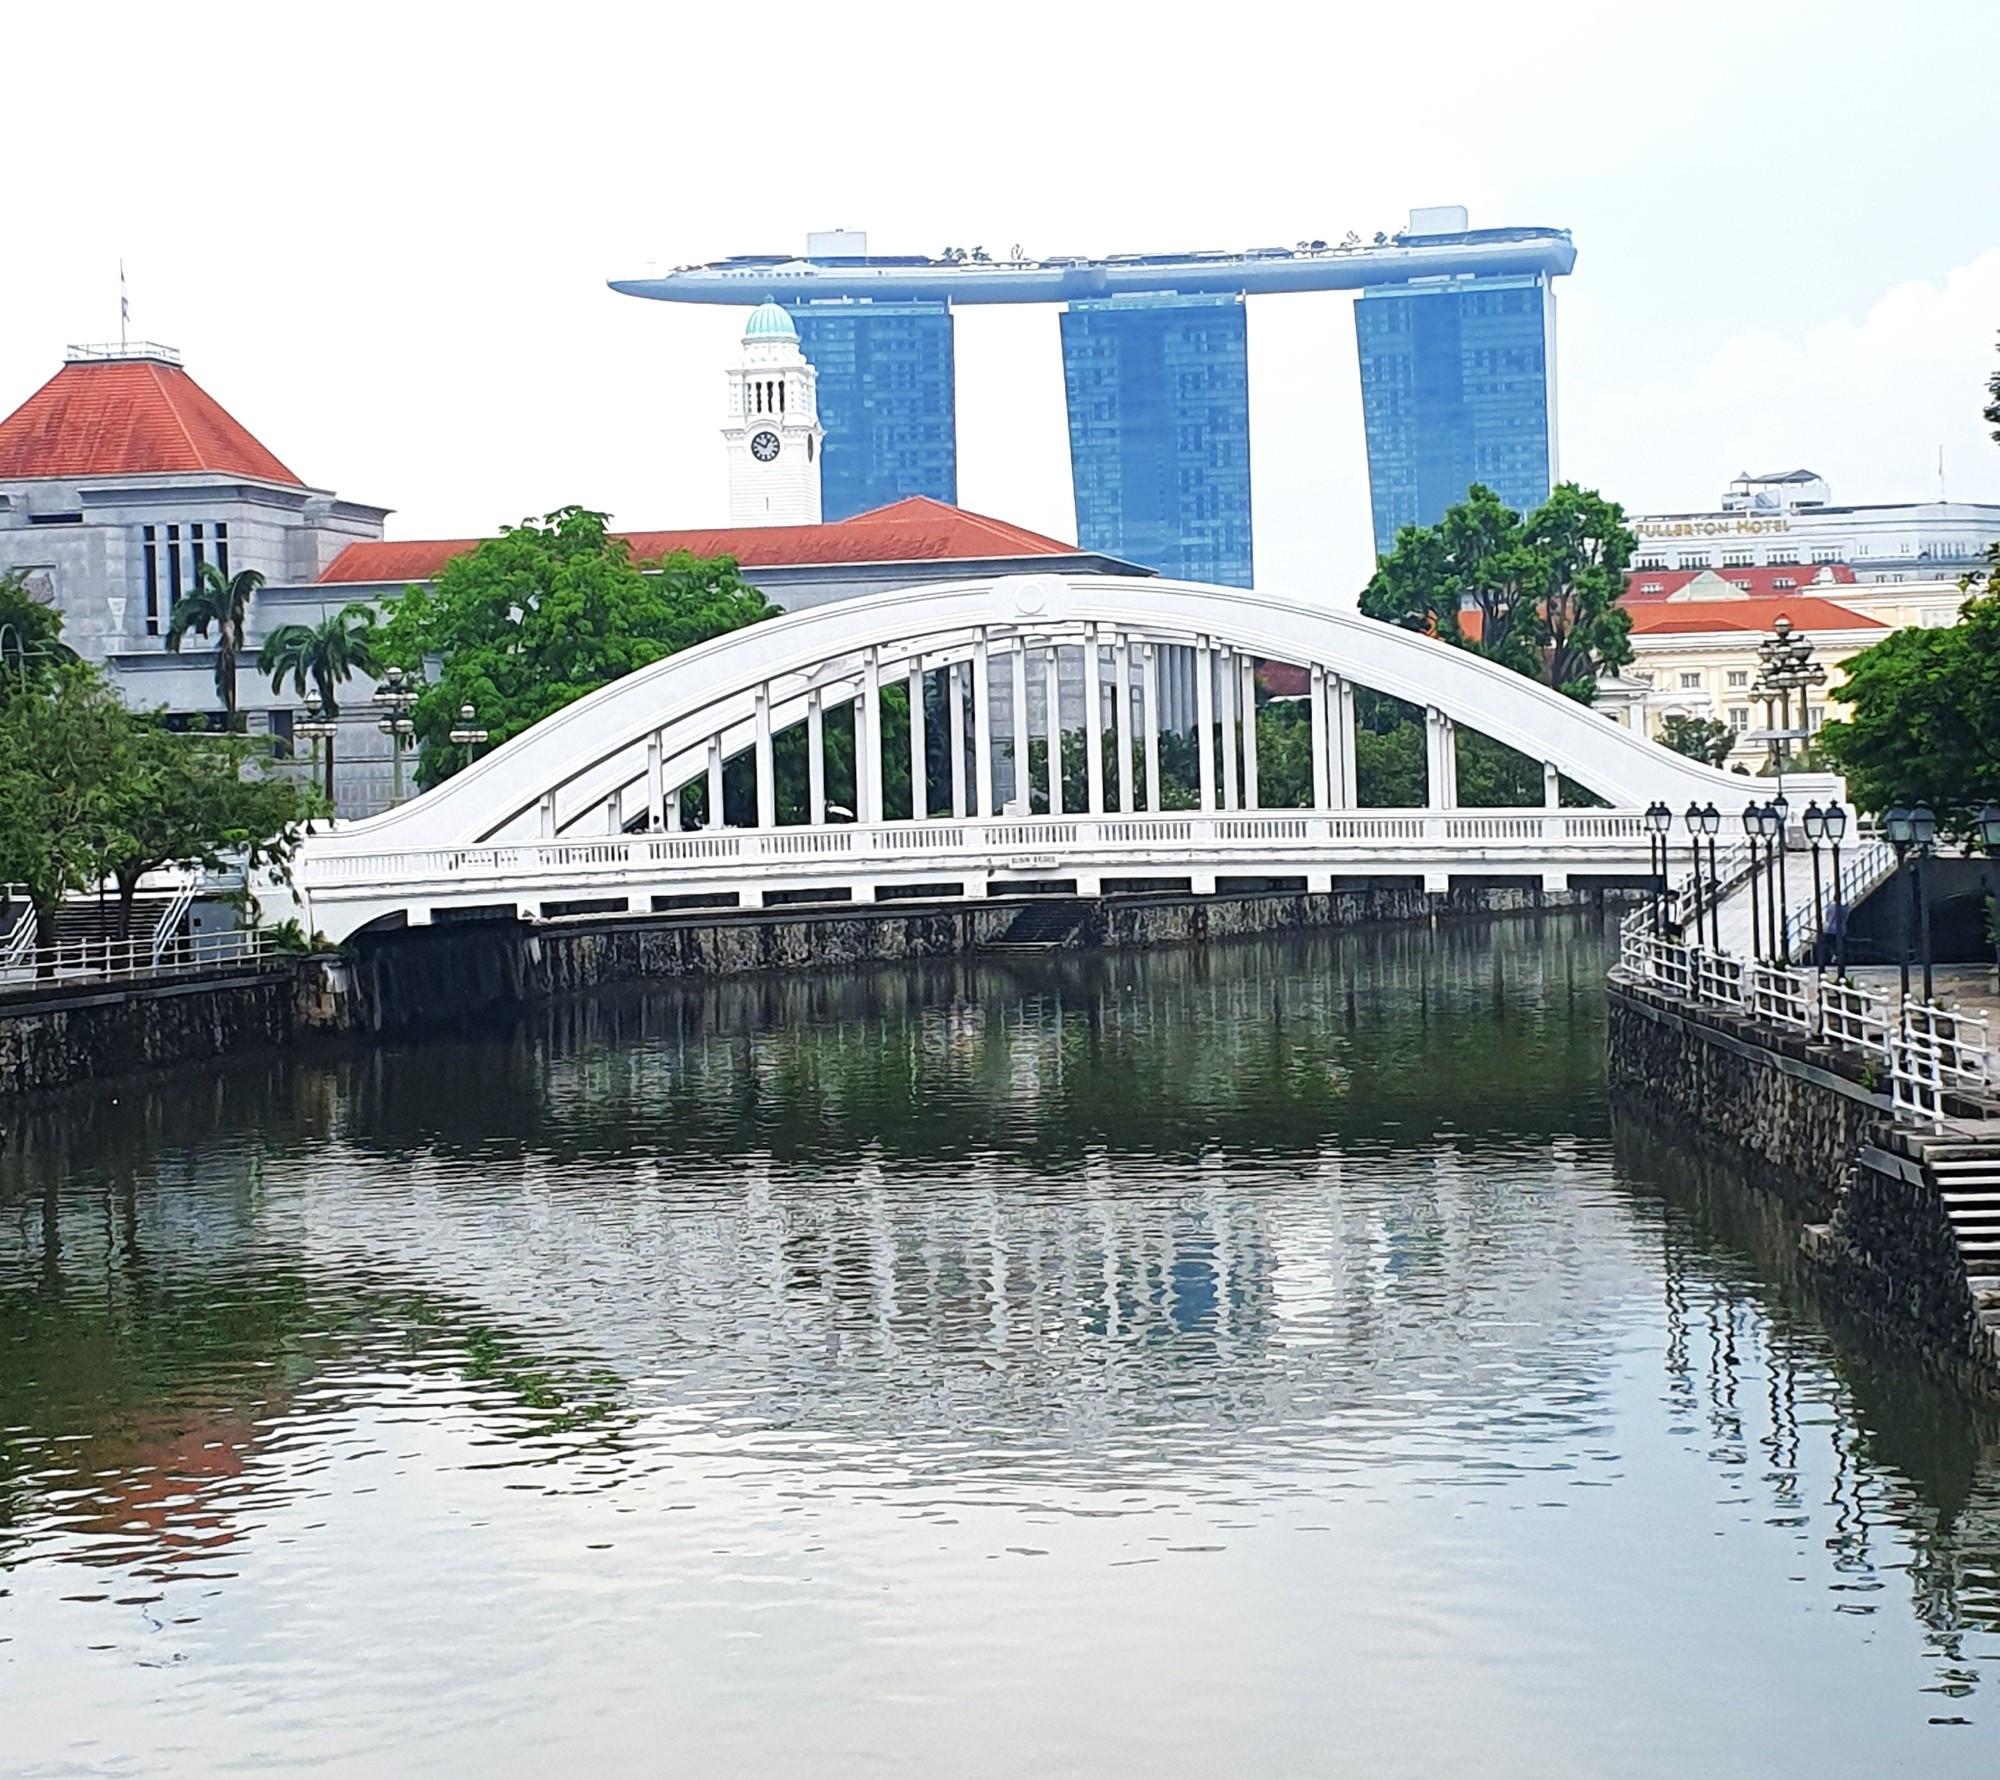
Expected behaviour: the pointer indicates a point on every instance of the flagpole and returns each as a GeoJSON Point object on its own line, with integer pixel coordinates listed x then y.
{"type": "Point", "coordinates": [124, 307]}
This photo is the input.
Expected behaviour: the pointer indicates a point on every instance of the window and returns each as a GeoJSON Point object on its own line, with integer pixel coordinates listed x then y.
{"type": "Point", "coordinates": [152, 580]}
{"type": "Point", "coordinates": [221, 529]}
{"type": "Point", "coordinates": [1744, 584]}
{"type": "Point", "coordinates": [1739, 677]}
{"type": "Point", "coordinates": [55, 518]}
{"type": "Point", "coordinates": [1693, 562]}
{"type": "Point", "coordinates": [1784, 583]}
{"type": "Point", "coordinates": [1825, 556]}
{"type": "Point", "coordinates": [1650, 562]}
{"type": "Point", "coordinates": [173, 568]}
{"type": "Point", "coordinates": [1690, 682]}
{"type": "Point", "coordinates": [1739, 718]}
{"type": "Point", "coordinates": [1738, 559]}
{"type": "Point", "coordinates": [1815, 717]}
{"type": "Point", "coordinates": [1651, 586]}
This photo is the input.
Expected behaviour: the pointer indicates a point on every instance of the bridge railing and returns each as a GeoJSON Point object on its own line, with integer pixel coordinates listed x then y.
{"type": "Point", "coordinates": [1579, 835]}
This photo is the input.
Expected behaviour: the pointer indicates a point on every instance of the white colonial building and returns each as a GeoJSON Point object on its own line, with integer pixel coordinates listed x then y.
{"type": "Point", "coordinates": [773, 432]}
{"type": "Point", "coordinates": [1790, 519]}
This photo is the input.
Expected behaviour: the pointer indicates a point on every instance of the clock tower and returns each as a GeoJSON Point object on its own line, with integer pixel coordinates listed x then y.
{"type": "Point", "coordinates": [773, 432]}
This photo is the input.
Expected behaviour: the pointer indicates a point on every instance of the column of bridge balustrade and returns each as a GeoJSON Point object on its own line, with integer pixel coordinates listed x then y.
{"type": "Point", "coordinates": [1324, 772]}
{"type": "Point", "coordinates": [954, 705]}
{"type": "Point", "coordinates": [715, 781]}
{"type": "Point", "coordinates": [1093, 721]}
{"type": "Point", "coordinates": [656, 783]}
{"type": "Point", "coordinates": [982, 728]}
{"type": "Point", "coordinates": [767, 763]}
{"type": "Point", "coordinates": [1018, 793]}
{"type": "Point", "coordinates": [1052, 698]}
{"type": "Point", "coordinates": [1552, 793]}
{"type": "Point", "coordinates": [815, 759]}
{"type": "Point", "coordinates": [1247, 705]}
{"type": "Point", "coordinates": [1441, 760]}
{"type": "Point", "coordinates": [868, 743]}
{"type": "Point", "coordinates": [920, 776]}
{"type": "Point", "coordinates": [1149, 700]}
{"type": "Point", "coordinates": [1121, 667]}
{"type": "Point", "coordinates": [1227, 685]}
{"type": "Point", "coordinates": [1204, 718]}
{"type": "Point", "coordinates": [671, 816]}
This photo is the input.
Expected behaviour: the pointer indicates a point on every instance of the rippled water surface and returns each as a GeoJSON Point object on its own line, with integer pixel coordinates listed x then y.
{"type": "Point", "coordinates": [1270, 1361]}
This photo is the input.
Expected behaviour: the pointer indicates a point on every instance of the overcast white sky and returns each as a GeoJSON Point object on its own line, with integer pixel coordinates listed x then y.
{"type": "Point", "coordinates": [380, 233]}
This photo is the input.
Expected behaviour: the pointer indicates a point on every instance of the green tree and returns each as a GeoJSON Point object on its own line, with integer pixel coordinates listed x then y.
{"type": "Point", "coordinates": [328, 653]}
{"type": "Point", "coordinates": [1925, 719]}
{"type": "Point", "coordinates": [1699, 738]}
{"type": "Point", "coordinates": [224, 602]}
{"type": "Point", "coordinates": [62, 746]}
{"type": "Point", "coordinates": [550, 610]}
{"type": "Point", "coordinates": [192, 800]}
{"type": "Point", "coordinates": [1544, 589]}
{"type": "Point", "coordinates": [31, 645]}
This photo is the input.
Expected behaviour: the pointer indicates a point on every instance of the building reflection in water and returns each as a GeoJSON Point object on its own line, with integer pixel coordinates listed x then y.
{"type": "Point", "coordinates": [1275, 1213]}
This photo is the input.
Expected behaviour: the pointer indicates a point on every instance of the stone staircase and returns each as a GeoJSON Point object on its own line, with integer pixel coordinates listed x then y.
{"type": "Point", "coordinates": [1042, 926]}
{"type": "Point", "coordinates": [1967, 1172]}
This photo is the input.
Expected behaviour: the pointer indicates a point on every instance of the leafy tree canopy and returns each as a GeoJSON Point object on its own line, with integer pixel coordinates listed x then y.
{"type": "Point", "coordinates": [31, 645]}
{"type": "Point", "coordinates": [1925, 719]}
{"type": "Point", "coordinates": [1545, 588]}
{"type": "Point", "coordinates": [1699, 738]}
{"type": "Point", "coordinates": [550, 610]}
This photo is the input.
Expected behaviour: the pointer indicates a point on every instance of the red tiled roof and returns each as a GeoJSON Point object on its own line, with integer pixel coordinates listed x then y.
{"type": "Point", "coordinates": [1658, 584]}
{"type": "Point", "coordinates": [128, 417]}
{"type": "Point", "coordinates": [1661, 618]}
{"type": "Point", "coordinates": [913, 530]}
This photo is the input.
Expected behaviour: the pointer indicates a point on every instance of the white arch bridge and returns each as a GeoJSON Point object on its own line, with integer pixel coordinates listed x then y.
{"type": "Point", "coordinates": [583, 814]}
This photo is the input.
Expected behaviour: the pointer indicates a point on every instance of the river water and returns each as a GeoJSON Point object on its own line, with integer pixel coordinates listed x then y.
{"type": "Point", "coordinates": [1274, 1360]}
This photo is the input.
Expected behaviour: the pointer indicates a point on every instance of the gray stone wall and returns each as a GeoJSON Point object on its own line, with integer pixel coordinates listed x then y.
{"type": "Point", "coordinates": [1814, 1132]}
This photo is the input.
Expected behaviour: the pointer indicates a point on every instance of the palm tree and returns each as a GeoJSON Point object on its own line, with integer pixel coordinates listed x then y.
{"type": "Point", "coordinates": [328, 652]}
{"type": "Point", "coordinates": [223, 601]}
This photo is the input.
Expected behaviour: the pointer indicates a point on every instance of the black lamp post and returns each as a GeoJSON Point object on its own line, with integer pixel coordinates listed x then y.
{"type": "Point", "coordinates": [1814, 824]}
{"type": "Point", "coordinates": [1659, 821]}
{"type": "Point", "coordinates": [1923, 833]}
{"type": "Point", "coordinates": [1777, 813]}
{"type": "Point", "coordinates": [1692, 818]}
{"type": "Point", "coordinates": [1836, 830]}
{"type": "Point", "coordinates": [1711, 826]}
{"type": "Point", "coordinates": [1753, 827]}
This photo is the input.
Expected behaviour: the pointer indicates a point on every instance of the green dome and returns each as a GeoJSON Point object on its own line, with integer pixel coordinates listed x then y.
{"type": "Point", "coordinates": [769, 322]}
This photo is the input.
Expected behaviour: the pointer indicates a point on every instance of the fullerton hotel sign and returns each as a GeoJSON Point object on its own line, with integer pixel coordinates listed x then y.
{"type": "Point", "coordinates": [1722, 525]}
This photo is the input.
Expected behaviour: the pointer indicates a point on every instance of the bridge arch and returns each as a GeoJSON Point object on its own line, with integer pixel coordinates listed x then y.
{"type": "Point", "coordinates": [611, 765]}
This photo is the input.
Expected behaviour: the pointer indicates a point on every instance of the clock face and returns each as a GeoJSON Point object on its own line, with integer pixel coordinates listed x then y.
{"type": "Point", "coordinates": [764, 447]}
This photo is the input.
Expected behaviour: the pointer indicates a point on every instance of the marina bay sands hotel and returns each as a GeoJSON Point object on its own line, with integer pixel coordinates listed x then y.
{"type": "Point", "coordinates": [1455, 326]}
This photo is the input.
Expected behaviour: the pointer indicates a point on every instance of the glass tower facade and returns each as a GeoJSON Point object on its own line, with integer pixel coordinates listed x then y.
{"type": "Point", "coordinates": [1457, 387]}
{"type": "Point", "coordinates": [887, 399]}
{"type": "Point", "coordinates": [1159, 432]}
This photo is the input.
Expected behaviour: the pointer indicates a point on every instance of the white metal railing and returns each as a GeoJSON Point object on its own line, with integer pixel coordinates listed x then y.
{"type": "Point", "coordinates": [1591, 837]}
{"type": "Point", "coordinates": [84, 961]}
{"type": "Point", "coordinates": [171, 917]}
{"type": "Point", "coordinates": [1718, 980]}
{"type": "Point", "coordinates": [19, 938]}
{"type": "Point", "coordinates": [1855, 1017]}
{"type": "Point", "coordinates": [1783, 996]}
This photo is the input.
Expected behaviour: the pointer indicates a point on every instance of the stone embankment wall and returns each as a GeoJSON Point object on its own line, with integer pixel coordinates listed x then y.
{"type": "Point", "coordinates": [1814, 1128]}
{"type": "Point", "coordinates": [432, 977]}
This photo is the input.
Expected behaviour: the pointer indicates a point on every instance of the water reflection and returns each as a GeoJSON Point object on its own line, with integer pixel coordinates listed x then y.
{"type": "Point", "coordinates": [781, 1310]}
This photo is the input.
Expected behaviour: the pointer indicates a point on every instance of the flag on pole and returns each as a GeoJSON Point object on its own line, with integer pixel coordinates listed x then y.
{"type": "Point", "coordinates": [124, 304]}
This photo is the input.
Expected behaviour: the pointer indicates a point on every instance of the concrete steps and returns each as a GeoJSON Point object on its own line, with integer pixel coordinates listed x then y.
{"type": "Point", "coordinates": [1968, 1182]}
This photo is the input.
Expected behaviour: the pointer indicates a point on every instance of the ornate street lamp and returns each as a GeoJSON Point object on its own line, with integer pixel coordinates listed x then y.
{"type": "Point", "coordinates": [1692, 817]}
{"type": "Point", "coordinates": [396, 695]}
{"type": "Point", "coordinates": [1835, 818]}
{"type": "Point", "coordinates": [1814, 824]}
{"type": "Point", "coordinates": [466, 736]}
{"type": "Point", "coordinates": [1989, 836]}
{"type": "Point", "coordinates": [1711, 826]}
{"type": "Point", "coordinates": [1753, 829]}
{"type": "Point", "coordinates": [1778, 812]}
{"type": "Point", "coordinates": [1659, 821]}
{"type": "Point", "coordinates": [316, 727]}
{"type": "Point", "coordinates": [1913, 832]}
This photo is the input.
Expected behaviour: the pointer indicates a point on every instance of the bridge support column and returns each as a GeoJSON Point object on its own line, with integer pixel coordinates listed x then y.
{"type": "Point", "coordinates": [1204, 720]}
{"type": "Point", "coordinates": [954, 708]}
{"type": "Point", "coordinates": [656, 783]}
{"type": "Point", "coordinates": [1440, 760]}
{"type": "Point", "coordinates": [767, 765]}
{"type": "Point", "coordinates": [815, 760]}
{"type": "Point", "coordinates": [1121, 658]}
{"type": "Point", "coordinates": [1052, 722]}
{"type": "Point", "coordinates": [868, 743]}
{"type": "Point", "coordinates": [1228, 684]}
{"type": "Point", "coordinates": [982, 729]}
{"type": "Point", "coordinates": [1325, 773]}
{"type": "Point", "coordinates": [1093, 722]}
{"type": "Point", "coordinates": [1149, 712]}
{"type": "Point", "coordinates": [1247, 706]}
{"type": "Point", "coordinates": [1018, 793]}
{"type": "Point", "coordinates": [1555, 880]}
{"type": "Point", "coordinates": [920, 759]}
{"type": "Point", "coordinates": [547, 817]}
{"type": "Point", "coordinates": [1347, 793]}
{"type": "Point", "coordinates": [715, 782]}
{"type": "Point", "coordinates": [1552, 791]}
{"type": "Point", "coordinates": [671, 815]}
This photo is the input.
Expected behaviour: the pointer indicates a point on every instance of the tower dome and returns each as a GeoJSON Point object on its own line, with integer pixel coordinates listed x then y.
{"type": "Point", "coordinates": [769, 322]}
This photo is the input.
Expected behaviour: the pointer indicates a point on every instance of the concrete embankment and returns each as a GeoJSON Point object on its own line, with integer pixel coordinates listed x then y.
{"type": "Point", "coordinates": [430, 978]}
{"type": "Point", "coordinates": [1811, 1124]}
